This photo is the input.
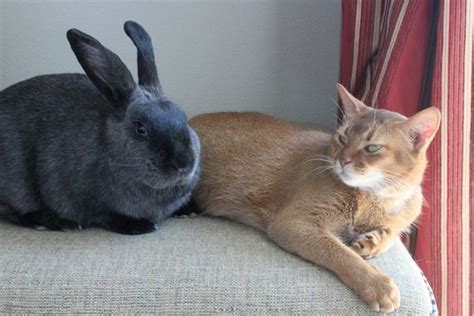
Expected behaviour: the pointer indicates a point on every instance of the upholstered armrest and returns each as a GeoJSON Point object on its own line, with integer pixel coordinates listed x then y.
{"type": "Point", "coordinates": [189, 266]}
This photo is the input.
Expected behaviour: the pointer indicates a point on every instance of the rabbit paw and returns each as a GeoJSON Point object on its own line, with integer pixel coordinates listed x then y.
{"type": "Point", "coordinates": [47, 220]}
{"type": "Point", "coordinates": [131, 226]}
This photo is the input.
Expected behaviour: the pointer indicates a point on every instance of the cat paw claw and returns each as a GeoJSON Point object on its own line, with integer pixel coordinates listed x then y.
{"type": "Point", "coordinates": [370, 244]}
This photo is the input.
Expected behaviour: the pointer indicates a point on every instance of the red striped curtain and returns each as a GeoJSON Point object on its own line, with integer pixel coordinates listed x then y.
{"type": "Point", "coordinates": [405, 55]}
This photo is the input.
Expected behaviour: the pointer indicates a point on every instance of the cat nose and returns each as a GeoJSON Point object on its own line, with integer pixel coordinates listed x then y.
{"type": "Point", "coordinates": [344, 161]}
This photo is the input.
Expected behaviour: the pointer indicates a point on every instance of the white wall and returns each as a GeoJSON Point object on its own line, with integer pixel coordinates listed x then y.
{"type": "Point", "coordinates": [273, 56]}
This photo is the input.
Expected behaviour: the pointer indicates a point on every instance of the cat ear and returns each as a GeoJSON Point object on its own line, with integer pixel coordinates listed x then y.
{"type": "Point", "coordinates": [422, 127]}
{"type": "Point", "coordinates": [350, 103]}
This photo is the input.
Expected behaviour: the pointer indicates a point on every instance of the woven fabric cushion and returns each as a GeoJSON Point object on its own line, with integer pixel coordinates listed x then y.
{"type": "Point", "coordinates": [189, 266]}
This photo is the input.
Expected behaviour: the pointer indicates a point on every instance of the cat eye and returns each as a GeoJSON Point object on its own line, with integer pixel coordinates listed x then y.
{"type": "Point", "coordinates": [140, 129]}
{"type": "Point", "coordinates": [373, 148]}
{"type": "Point", "coordinates": [342, 139]}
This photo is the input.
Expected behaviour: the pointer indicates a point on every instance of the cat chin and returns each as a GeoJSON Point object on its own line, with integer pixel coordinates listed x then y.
{"type": "Point", "coordinates": [368, 182]}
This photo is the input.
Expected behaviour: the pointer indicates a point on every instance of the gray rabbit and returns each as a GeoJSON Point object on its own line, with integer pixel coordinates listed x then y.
{"type": "Point", "coordinates": [96, 150]}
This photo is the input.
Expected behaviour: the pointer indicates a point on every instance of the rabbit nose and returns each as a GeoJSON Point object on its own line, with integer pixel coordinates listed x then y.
{"type": "Point", "coordinates": [182, 162]}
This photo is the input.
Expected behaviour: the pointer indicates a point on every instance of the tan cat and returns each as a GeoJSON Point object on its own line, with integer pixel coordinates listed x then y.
{"type": "Point", "coordinates": [331, 199]}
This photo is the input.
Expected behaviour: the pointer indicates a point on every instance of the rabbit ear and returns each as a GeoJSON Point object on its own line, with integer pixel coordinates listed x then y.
{"type": "Point", "coordinates": [147, 73]}
{"type": "Point", "coordinates": [105, 69]}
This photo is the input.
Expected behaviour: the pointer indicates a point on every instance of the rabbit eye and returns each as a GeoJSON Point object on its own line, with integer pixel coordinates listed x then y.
{"type": "Point", "coordinates": [140, 129]}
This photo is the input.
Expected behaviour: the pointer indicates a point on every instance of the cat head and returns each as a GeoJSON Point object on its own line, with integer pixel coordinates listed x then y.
{"type": "Point", "coordinates": [375, 149]}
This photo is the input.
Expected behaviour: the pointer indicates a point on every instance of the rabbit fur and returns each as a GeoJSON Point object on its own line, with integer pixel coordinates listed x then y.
{"type": "Point", "coordinates": [96, 150]}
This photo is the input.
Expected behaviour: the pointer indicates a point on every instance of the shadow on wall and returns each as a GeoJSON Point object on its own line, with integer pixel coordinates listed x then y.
{"type": "Point", "coordinates": [279, 57]}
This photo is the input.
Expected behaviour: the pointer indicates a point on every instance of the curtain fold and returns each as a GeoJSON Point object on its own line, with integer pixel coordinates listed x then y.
{"type": "Point", "coordinates": [405, 55]}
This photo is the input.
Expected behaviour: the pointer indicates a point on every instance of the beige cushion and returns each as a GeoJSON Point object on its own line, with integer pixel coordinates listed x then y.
{"type": "Point", "coordinates": [189, 266]}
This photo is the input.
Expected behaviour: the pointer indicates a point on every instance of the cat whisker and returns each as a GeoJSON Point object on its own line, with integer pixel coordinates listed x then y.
{"type": "Point", "coordinates": [391, 172]}
{"type": "Point", "coordinates": [321, 170]}
{"type": "Point", "coordinates": [321, 156]}
{"type": "Point", "coordinates": [396, 184]}
{"type": "Point", "coordinates": [322, 167]}
{"type": "Point", "coordinates": [401, 183]}
{"type": "Point", "coordinates": [374, 124]}
{"type": "Point", "coordinates": [326, 157]}
{"type": "Point", "coordinates": [330, 161]}
{"type": "Point", "coordinates": [318, 158]}
{"type": "Point", "coordinates": [314, 172]}
{"type": "Point", "coordinates": [339, 107]}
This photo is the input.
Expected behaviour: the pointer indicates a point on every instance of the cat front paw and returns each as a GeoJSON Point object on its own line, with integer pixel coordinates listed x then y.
{"type": "Point", "coordinates": [380, 292]}
{"type": "Point", "coordinates": [371, 243]}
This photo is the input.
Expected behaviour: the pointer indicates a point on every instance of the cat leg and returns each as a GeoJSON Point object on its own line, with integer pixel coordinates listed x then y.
{"type": "Point", "coordinates": [372, 243]}
{"type": "Point", "coordinates": [319, 246]}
